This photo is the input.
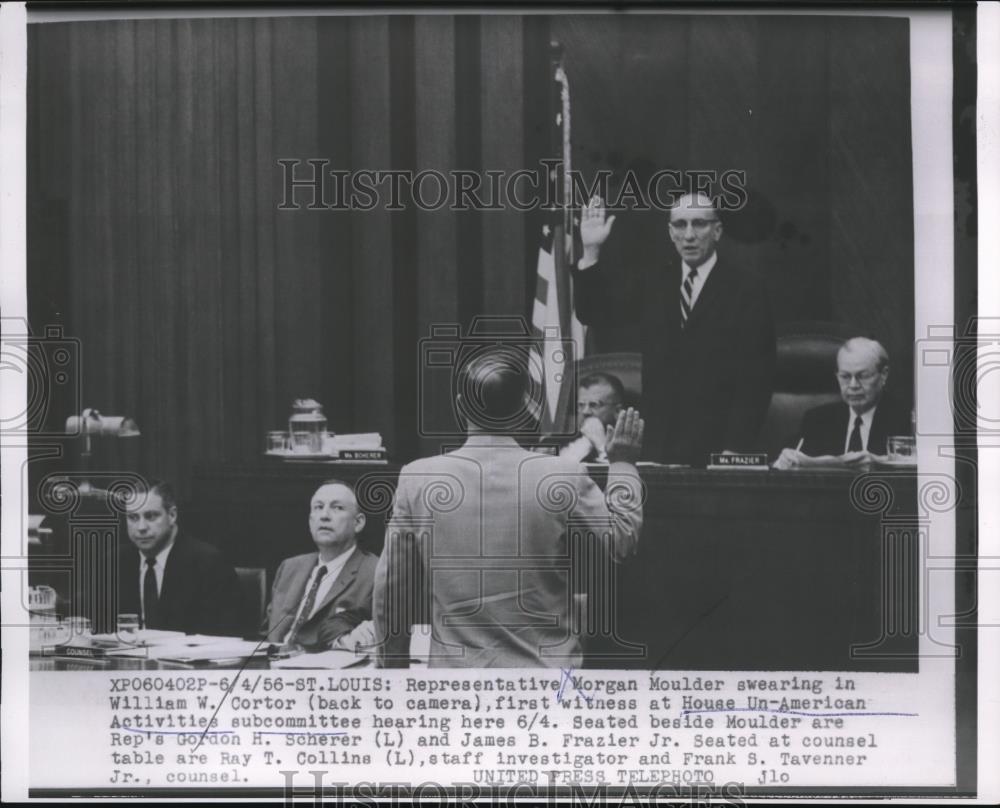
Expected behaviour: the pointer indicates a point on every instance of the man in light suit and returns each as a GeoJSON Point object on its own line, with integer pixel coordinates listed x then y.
{"type": "Point", "coordinates": [487, 534]}
{"type": "Point", "coordinates": [320, 597]}
{"type": "Point", "coordinates": [855, 430]}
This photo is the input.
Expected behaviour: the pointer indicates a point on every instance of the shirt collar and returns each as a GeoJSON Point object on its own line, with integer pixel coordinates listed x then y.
{"type": "Point", "coordinates": [161, 557]}
{"type": "Point", "coordinates": [486, 439]}
{"type": "Point", "coordinates": [866, 417]}
{"type": "Point", "coordinates": [704, 269]}
{"type": "Point", "coordinates": [337, 560]}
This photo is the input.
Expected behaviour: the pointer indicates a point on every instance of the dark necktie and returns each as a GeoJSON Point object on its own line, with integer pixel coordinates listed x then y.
{"type": "Point", "coordinates": [854, 444]}
{"type": "Point", "coordinates": [150, 596]}
{"type": "Point", "coordinates": [307, 606]}
{"type": "Point", "coordinates": [686, 289]}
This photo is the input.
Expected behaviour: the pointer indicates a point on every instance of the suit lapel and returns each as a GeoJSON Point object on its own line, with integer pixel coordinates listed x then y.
{"type": "Point", "coordinates": [344, 579]}
{"type": "Point", "coordinates": [665, 298]}
{"type": "Point", "coordinates": [876, 435]}
{"type": "Point", "coordinates": [128, 580]}
{"type": "Point", "coordinates": [174, 578]}
{"type": "Point", "coordinates": [840, 429]}
{"type": "Point", "coordinates": [297, 590]}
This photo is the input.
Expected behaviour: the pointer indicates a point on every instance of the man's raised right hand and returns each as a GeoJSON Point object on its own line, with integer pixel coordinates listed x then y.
{"type": "Point", "coordinates": [625, 438]}
{"type": "Point", "coordinates": [595, 227]}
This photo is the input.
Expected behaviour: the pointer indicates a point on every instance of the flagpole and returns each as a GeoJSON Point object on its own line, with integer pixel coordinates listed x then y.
{"type": "Point", "coordinates": [564, 123]}
{"type": "Point", "coordinates": [562, 249]}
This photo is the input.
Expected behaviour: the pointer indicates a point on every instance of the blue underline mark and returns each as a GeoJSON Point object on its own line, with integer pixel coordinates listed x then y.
{"type": "Point", "coordinates": [219, 732]}
{"type": "Point", "coordinates": [794, 712]}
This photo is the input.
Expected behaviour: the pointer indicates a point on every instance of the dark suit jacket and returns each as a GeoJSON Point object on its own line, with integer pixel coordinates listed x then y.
{"type": "Point", "coordinates": [824, 429]}
{"type": "Point", "coordinates": [346, 604]}
{"type": "Point", "coordinates": [705, 387]}
{"type": "Point", "coordinates": [199, 594]}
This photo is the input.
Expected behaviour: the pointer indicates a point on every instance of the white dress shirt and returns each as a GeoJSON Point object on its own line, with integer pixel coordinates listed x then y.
{"type": "Point", "coordinates": [866, 427]}
{"type": "Point", "coordinates": [333, 569]}
{"type": "Point", "coordinates": [699, 280]}
{"type": "Point", "coordinates": [159, 567]}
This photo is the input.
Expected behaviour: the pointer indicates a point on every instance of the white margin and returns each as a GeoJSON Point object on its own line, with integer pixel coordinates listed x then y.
{"type": "Point", "coordinates": [13, 304]}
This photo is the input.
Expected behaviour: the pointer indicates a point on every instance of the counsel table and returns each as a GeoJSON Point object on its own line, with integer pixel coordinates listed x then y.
{"type": "Point", "coordinates": [736, 570]}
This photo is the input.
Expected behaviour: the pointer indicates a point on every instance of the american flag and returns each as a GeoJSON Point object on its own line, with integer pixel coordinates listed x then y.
{"type": "Point", "coordinates": [558, 333]}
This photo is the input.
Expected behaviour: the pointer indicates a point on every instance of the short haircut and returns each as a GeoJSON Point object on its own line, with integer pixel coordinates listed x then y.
{"type": "Point", "coordinates": [493, 384]}
{"type": "Point", "coordinates": [700, 199]}
{"type": "Point", "coordinates": [612, 381]}
{"type": "Point", "coordinates": [864, 345]}
{"type": "Point", "coordinates": [338, 481]}
{"type": "Point", "coordinates": [165, 491]}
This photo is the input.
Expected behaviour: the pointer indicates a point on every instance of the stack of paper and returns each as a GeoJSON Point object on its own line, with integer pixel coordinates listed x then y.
{"type": "Point", "coordinates": [201, 650]}
{"type": "Point", "coordinates": [323, 659]}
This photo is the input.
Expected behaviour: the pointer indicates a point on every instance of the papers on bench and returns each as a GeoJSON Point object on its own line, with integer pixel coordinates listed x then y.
{"type": "Point", "coordinates": [199, 649]}
{"type": "Point", "coordinates": [322, 659]}
{"type": "Point", "coordinates": [166, 646]}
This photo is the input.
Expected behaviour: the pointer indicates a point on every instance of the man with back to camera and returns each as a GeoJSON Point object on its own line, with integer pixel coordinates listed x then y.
{"type": "Point", "coordinates": [319, 598]}
{"type": "Point", "coordinates": [854, 430]}
{"type": "Point", "coordinates": [173, 581]}
{"type": "Point", "coordinates": [600, 397]}
{"type": "Point", "coordinates": [484, 532]}
{"type": "Point", "coordinates": [706, 329]}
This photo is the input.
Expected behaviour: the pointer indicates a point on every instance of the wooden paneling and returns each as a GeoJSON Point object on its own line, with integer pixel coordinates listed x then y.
{"type": "Point", "coordinates": [436, 230]}
{"type": "Point", "coordinates": [871, 191]}
{"type": "Point", "coordinates": [793, 166]}
{"type": "Point", "coordinates": [503, 150]}
{"type": "Point", "coordinates": [374, 381]}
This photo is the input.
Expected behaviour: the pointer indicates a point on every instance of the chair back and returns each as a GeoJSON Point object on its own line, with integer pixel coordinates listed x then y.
{"type": "Point", "coordinates": [805, 377]}
{"type": "Point", "coordinates": [626, 365]}
{"type": "Point", "coordinates": [253, 588]}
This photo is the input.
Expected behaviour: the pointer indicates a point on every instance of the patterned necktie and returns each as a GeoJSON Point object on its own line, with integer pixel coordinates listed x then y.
{"type": "Point", "coordinates": [686, 289]}
{"type": "Point", "coordinates": [854, 444]}
{"type": "Point", "coordinates": [306, 611]}
{"type": "Point", "coordinates": [150, 596]}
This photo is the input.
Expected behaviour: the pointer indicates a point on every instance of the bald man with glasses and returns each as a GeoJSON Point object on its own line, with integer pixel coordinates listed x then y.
{"type": "Point", "coordinates": [854, 430]}
{"type": "Point", "coordinates": [706, 331]}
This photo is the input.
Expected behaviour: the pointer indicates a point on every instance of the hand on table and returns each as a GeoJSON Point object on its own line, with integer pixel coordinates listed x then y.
{"type": "Point", "coordinates": [858, 459]}
{"type": "Point", "coordinates": [362, 637]}
{"type": "Point", "coordinates": [790, 459]}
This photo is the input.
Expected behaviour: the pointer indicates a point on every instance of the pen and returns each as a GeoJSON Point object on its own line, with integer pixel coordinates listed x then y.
{"type": "Point", "coordinates": [799, 447]}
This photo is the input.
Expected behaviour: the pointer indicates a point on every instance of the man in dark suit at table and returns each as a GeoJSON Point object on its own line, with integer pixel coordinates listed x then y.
{"type": "Point", "coordinates": [706, 329]}
{"type": "Point", "coordinates": [322, 596]}
{"type": "Point", "coordinates": [852, 431]}
{"type": "Point", "coordinates": [172, 580]}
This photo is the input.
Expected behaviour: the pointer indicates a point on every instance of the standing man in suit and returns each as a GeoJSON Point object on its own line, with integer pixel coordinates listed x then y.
{"type": "Point", "coordinates": [852, 431]}
{"type": "Point", "coordinates": [173, 581]}
{"type": "Point", "coordinates": [487, 533]}
{"type": "Point", "coordinates": [706, 329]}
{"type": "Point", "coordinates": [319, 597]}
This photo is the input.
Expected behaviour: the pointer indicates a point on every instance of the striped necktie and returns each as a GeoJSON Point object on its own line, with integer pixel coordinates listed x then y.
{"type": "Point", "coordinates": [686, 289]}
